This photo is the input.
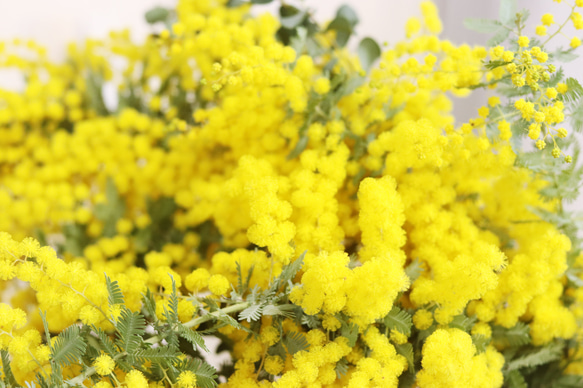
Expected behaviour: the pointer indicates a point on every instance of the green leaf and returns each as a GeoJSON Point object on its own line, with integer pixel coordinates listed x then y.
{"type": "Point", "coordinates": [349, 14]}
{"type": "Point", "coordinates": [285, 310]}
{"type": "Point", "coordinates": [293, 21]}
{"type": "Point", "coordinates": [577, 117]}
{"type": "Point", "coordinates": [131, 327]}
{"type": "Point", "coordinates": [406, 350]}
{"type": "Point", "coordinates": [500, 36]}
{"type": "Point", "coordinates": [69, 347]}
{"type": "Point", "coordinates": [157, 14]}
{"type": "Point", "coordinates": [311, 321]}
{"type": "Point", "coordinates": [507, 12]}
{"type": "Point", "coordinates": [350, 332]}
{"type": "Point", "coordinates": [294, 342]}
{"type": "Point", "coordinates": [149, 304]}
{"type": "Point", "coordinates": [539, 356]}
{"type": "Point", "coordinates": [480, 342]}
{"type": "Point", "coordinates": [299, 148]}
{"type": "Point", "coordinates": [171, 312]}
{"type": "Point", "coordinates": [251, 313]}
{"type": "Point", "coordinates": [94, 86]}
{"type": "Point", "coordinates": [110, 211]}
{"type": "Point", "coordinates": [261, 1]}
{"type": "Point", "coordinates": [515, 379]}
{"type": "Point", "coordinates": [368, 52]}
{"type": "Point", "coordinates": [399, 320]}
{"type": "Point", "coordinates": [193, 337]}
{"type": "Point", "coordinates": [515, 336]}
{"type": "Point", "coordinates": [341, 368]}
{"type": "Point", "coordinates": [343, 29]}
{"type": "Point", "coordinates": [413, 270]}
{"type": "Point", "coordinates": [289, 272]}
{"type": "Point", "coordinates": [235, 3]}
{"type": "Point", "coordinates": [574, 93]}
{"type": "Point", "coordinates": [482, 25]}
{"type": "Point", "coordinates": [107, 344]}
{"type": "Point", "coordinates": [206, 375]}
{"type": "Point", "coordinates": [462, 322]}
{"type": "Point", "coordinates": [114, 291]}
{"type": "Point", "coordinates": [564, 56]}
{"type": "Point", "coordinates": [162, 355]}
{"type": "Point", "coordinates": [568, 381]}
{"type": "Point", "coordinates": [43, 317]}
{"type": "Point", "coordinates": [9, 379]}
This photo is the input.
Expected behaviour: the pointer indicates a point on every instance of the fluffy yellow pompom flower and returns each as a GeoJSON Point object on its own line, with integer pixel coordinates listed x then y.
{"type": "Point", "coordinates": [219, 285]}
{"type": "Point", "coordinates": [135, 379]}
{"type": "Point", "coordinates": [450, 360]}
{"type": "Point", "coordinates": [322, 85]}
{"type": "Point", "coordinates": [523, 41]}
{"type": "Point", "coordinates": [186, 379]}
{"type": "Point", "coordinates": [541, 30]}
{"type": "Point", "coordinates": [575, 42]}
{"type": "Point", "coordinates": [423, 319]}
{"type": "Point", "coordinates": [547, 19]}
{"type": "Point", "coordinates": [197, 280]}
{"type": "Point", "coordinates": [104, 365]}
{"type": "Point", "coordinates": [273, 365]}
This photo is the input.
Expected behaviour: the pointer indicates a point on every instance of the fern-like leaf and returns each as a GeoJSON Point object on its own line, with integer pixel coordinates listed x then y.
{"type": "Point", "coordinates": [114, 291]}
{"type": "Point", "coordinates": [149, 304]}
{"type": "Point", "coordinates": [311, 321]}
{"type": "Point", "coordinates": [406, 350]}
{"type": "Point", "coordinates": [539, 356]}
{"type": "Point", "coordinates": [294, 342]}
{"type": "Point", "coordinates": [514, 337]}
{"type": "Point", "coordinates": [515, 379]}
{"type": "Point", "coordinates": [161, 355]}
{"type": "Point", "coordinates": [8, 379]}
{"type": "Point", "coordinates": [289, 272]}
{"type": "Point", "coordinates": [192, 336]}
{"type": "Point", "coordinates": [350, 332]}
{"type": "Point", "coordinates": [285, 310]}
{"type": "Point", "coordinates": [171, 313]}
{"type": "Point", "coordinates": [341, 368]}
{"type": "Point", "coordinates": [206, 375]}
{"type": "Point", "coordinates": [107, 344]}
{"type": "Point", "coordinates": [462, 322]}
{"type": "Point", "coordinates": [43, 317]}
{"type": "Point", "coordinates": [69, 347]}
{"type": "Point", "coordinates": [399, 320]}
{"type": "Point", "coordinates": [574, 92]}
{"type": "Point", "coordinates": [251, 313]}
{"type": "Point", "coordinates": [131, 326]}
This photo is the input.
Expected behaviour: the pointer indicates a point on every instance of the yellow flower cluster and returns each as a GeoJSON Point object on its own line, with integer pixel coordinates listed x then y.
{"type": "Point", "coordinates": [242, 155]}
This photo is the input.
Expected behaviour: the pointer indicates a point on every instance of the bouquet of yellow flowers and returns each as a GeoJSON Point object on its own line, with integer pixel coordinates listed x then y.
{"type": "Point", "coordinates": [315, 210]}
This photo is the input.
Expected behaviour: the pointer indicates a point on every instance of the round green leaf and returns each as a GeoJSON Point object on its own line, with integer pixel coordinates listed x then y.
{"type": "Point", "coordinates": [368, 52]}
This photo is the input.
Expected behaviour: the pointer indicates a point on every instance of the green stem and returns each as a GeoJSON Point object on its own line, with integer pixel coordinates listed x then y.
{"type": "Point", "coordinates": [560, 27]}
{"type": "Point", "coordinates": [204, 318]}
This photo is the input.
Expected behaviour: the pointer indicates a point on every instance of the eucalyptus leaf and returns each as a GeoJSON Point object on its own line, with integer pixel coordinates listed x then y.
{"type": "Point", "coordinates": [343, 30]}
{"type": "Point", "coordinates": [349, 14]}
{"type": "Point", "coordinates": [368, 52]}
{"type": "Point", "coordinates": [157, 14]}
{"type": "Point", "coordinates": [293, 21]}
